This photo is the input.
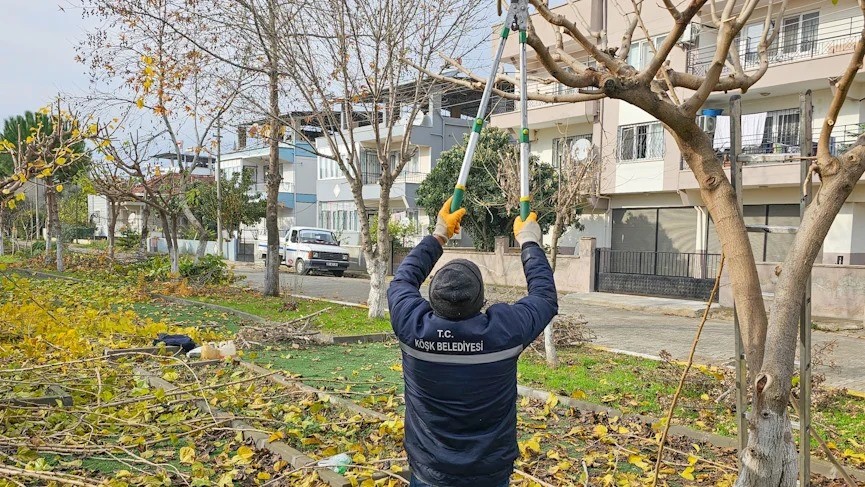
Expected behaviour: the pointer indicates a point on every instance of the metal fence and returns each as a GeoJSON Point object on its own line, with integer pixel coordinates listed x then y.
{"type": "Point", "coordinates": [826, 39]}
{"type": "Point", "coordinates": [372, 177]}
{"type": "Point", "coordinates": [786, 140]}
{"type": "Point", "coordinates": [696, 265]}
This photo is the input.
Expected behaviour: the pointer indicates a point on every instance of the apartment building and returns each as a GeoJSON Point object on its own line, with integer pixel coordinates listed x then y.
{"type": "Point", "coordinates": [647, 203]}
{"type": "Point", "coordinates": [439, 125]}
{"type": "Point", "coordinates": [297, 165]}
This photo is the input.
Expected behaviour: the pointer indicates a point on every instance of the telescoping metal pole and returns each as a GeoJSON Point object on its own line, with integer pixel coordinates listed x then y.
{"type": "Point", "coordinates": [459, 190]}
{"type": "Point", "coordinates": [521, 22]}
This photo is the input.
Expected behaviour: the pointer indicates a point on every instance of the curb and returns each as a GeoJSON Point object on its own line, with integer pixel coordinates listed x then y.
{"type": "Point", "coordinates": [333, 301]}
{"type": "Point", "coordinates": [818, 465]}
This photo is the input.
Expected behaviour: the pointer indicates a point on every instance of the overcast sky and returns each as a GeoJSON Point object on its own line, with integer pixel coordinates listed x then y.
{"type": "Point", "coordinates": [38, 43]}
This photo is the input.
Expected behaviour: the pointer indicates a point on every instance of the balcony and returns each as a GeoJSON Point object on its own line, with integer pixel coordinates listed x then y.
{"type": "Point", "coordinates": [414, 177]}
{"type": "Point", "coordinates": [784, 146]}
{"type": "Point", "coordinates": [543, 114]}
{"type": "Point", "coordinates": [798, 40]}
{"type": "Point", "coordinates": [261, 188]}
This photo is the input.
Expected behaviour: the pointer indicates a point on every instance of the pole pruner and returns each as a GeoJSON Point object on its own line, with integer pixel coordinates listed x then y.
{"type": "Point", "coordinates": [516, 20]}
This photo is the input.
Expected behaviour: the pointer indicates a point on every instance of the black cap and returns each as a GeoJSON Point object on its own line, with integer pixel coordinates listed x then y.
{"type": "Point", "coordinates": [457, 290]}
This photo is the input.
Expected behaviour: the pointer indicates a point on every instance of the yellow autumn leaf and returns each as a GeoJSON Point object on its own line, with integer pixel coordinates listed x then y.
{"type": "Point", "coordinates": [60, 161]}
{"type": "Point", "coordinates": [396, 367]}
{"type": "Point", "coordinates": [187, 455]}
{"type": "Point", "coordinates": [139, 103]}
{"type": "Point", "coordinates": [20, 196]}
{"type": "Point", "coordinates": [533, 444]}
{"type": "Point", "coordinates": [687, 474]}
{"type": "Point", "coordinates": [692, 459]}
{"type": "Point", "coordinates": [263, 476]}
{"type": "Point", "coordinates": [59, 188]}
{"type": "Point", "coordinates": [244, 454]}
{"type": "Point", "coordinates": [600, 430]}
{"type": "Point", "coordinates": [639, 461]}
{"type": "Point", "coordinates": [11, 204]}
{"type": "Point", "coordinates": [275, 436]}
{"type": "Point", "coordinates": [578, 394]}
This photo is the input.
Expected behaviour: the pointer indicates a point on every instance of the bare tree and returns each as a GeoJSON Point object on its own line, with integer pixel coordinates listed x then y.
{"type": "Point", "coordinates": [350, 67]}
{"type": "Point", "coordinates": [110, 181]}
{"type": "Point", "coordinates": [575, 182]}
{"type": "Point", "coordinates": [770, 340]}
{"type": "Point", "coordinates": [135, 178]}
{"type": "Point", "coordinates": [247, 36]}
{"type": "Point", "coordinates": [145, 61]}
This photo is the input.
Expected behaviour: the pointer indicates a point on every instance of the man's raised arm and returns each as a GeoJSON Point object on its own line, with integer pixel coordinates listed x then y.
{"type": "Point", "coordinates": [542, 303]}
{"type": "Point", "coordinates": [403, 294]}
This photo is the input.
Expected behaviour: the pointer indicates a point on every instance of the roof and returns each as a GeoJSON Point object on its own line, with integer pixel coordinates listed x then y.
{"type": "Point", "coordinates": [200, 160]}
{"type": "Point", "coordinates": [169, 182]}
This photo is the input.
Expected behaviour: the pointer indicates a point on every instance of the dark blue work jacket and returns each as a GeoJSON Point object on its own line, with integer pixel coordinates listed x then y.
{"type": "Point", "coordinates": [461, 376]}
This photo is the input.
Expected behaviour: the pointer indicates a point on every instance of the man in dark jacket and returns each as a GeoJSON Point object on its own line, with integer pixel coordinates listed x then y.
{"type": "Point", "coordinates": [460, 365]}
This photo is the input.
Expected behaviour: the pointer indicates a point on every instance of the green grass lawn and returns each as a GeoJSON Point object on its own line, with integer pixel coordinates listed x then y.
{"type": "Point", "coordinates": [630, 384]}
{"type": "Point", "coordinates": [339, 320]}
{"type": "Point", "coordinates": [182, 315]}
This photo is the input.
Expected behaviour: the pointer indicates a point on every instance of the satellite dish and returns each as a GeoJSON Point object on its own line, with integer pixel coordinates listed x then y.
{"type": "Point", "coordinates": [581, 149]}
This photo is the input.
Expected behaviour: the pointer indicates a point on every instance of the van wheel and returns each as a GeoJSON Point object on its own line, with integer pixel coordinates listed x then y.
{"type": "Point", "coordinates": [338, 273]}
{"type": "Point", "coordinates": [300, 267]}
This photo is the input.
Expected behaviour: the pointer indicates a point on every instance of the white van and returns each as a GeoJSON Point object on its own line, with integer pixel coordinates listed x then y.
{"type": "Point", "coordinates": [308, 248]}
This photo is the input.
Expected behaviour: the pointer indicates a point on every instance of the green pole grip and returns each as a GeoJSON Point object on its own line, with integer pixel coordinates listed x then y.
{"type": "Point", "coordinates": [524, 210]}
{"type": "Point", "coordinates": [457, 200]}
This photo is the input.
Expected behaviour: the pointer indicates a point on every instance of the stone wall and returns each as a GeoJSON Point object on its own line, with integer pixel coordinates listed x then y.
{"type": "Point", "coordinates": [837, 291]}
{"type": "Point", "coordinates": [574, 273]}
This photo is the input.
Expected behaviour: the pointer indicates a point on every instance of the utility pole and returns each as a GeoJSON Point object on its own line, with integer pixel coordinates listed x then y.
{"type": "Point", "coordinates": [219, 186]}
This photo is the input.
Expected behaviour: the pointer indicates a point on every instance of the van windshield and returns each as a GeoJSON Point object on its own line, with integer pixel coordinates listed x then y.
{"type": "Point", "coordinates": [317, 237]}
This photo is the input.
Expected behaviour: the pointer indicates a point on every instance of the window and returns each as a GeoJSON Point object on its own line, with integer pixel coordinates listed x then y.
{"type": "Point", "coordinates": [799, 33]}
{"type": "Point", "coordinates": [641, 142]}
{"type": "Point", "coordinates": [564, 146]}
{"type": "Point", "coordinates": [293, 237]}
{"type": "Point", "coordinates": [338, 216]}
{"type": "Point", "coordinates": [781, 133]}
{"type": "Point", "coordinates": [328, 169]}
{"type": "Point", "coordinates": [748, 44]}
{"type": "Point", "coordinates": [641, 53]}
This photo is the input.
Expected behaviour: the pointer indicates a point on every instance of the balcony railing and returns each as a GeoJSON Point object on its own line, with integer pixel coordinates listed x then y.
{"type": "Point", "coordinates": [787, 142]}
{"type": "Point", "coordinates": [545, 89]}
{"type": "Point", "coordinates": [284, 187]}
{"type": "Point", "coordinates": [372, 177]}
{"type": "Point", "coordinates": [832, 38]}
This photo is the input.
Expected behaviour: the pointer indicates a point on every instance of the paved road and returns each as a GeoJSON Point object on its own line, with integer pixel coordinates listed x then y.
{"type": "Point", "coordinates": [349, 289]}
{"type": "Point", "coordinates": [643, 331]}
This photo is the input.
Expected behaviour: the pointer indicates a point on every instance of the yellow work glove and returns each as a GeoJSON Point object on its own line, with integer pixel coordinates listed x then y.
{"type": "Point", "coordinates": [529, 230]}
{"type": "Point", "coordinates": [447, 223]}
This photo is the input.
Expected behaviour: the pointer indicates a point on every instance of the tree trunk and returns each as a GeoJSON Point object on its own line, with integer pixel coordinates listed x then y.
{"type": "Point", "coordinates": [271, 265]}
{"type": "Point", "coordinates": [549, 334]}
{"type": "Point", "coordinates": [2, 230]}
{"type": "Point", "coordinates": [53, 226]}
{"type": "Point", "coordinates": [50, 198]}
{"type": "Point", "coordinates": [145, 229]}
{"type": "Point", "coordinates": [175, 256]}
{"type": "Point", "coordinates": [196, 223]}
{"type": "Point", "coordinates": [112, 225]}
{"type": "Point", "coordinates": [720, 200]}
{"type": "Point", "coordinates": [377, 261]}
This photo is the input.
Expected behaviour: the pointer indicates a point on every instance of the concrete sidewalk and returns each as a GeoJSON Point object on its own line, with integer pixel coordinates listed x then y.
{"type": "Point", "coordinates": [648, 326]}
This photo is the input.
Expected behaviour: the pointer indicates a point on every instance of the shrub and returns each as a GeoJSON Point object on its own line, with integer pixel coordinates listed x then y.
{"type": "Point", "coordinates": [128, 240]}
{"type": "Point", "coordinates": [210, 269]}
